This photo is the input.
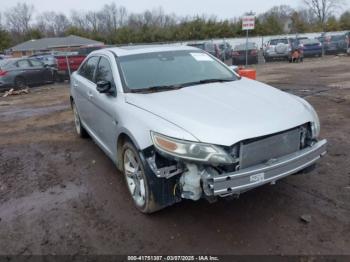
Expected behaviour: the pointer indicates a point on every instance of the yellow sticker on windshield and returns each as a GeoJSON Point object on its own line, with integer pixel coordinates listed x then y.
{"type": "Point", "coordinates": [201, 57]}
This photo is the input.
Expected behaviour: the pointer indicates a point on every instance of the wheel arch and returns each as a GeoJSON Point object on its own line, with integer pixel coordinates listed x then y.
{"type": "Point", "coordinates": [124, 136]}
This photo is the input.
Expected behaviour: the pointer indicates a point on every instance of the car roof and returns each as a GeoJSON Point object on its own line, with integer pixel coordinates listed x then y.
{"type": "Point", "coordinates": [142, 49]}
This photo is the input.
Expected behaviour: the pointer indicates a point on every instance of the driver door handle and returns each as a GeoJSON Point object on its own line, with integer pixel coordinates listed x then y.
{"type": "Point", "coordinates": [90, 95]}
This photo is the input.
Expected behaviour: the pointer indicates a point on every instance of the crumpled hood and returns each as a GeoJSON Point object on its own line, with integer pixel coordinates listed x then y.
{"type": "Point", "coordinates": [226, 113]}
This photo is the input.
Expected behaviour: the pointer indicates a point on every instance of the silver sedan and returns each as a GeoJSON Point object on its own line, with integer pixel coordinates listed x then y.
{"type": "Point", "coordinates": [180, 124]}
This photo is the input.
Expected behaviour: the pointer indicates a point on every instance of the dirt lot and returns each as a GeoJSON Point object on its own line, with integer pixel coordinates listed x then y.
{"type": "Point", "coordinates": [61, 195]}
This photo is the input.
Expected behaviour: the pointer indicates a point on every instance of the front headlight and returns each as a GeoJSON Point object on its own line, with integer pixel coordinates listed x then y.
{"type": "Point", "coordinates": [315, 124]}
{"type": "Point", "coordinates": [191, 151]}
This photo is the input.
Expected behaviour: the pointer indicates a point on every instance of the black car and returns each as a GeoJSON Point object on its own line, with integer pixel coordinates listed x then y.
{"type": "Point", "coordinates": [23, 72]}
{"type": "Point", "coordinates": [337, 43]}
{"type": "Point", "coordinates": [209, 47]}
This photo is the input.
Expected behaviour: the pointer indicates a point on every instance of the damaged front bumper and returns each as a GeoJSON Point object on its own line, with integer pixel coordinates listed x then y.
{"type": "Point", "coordinates": [249, 178]}
{"type": "Point", "coordinates": [197, 180]}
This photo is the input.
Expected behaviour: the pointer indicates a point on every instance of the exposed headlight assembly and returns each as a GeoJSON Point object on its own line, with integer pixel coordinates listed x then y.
{"type": "Point", "coordinates": [191, 151]}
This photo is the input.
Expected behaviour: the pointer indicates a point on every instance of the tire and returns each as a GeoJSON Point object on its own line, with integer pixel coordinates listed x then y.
{"type": "Point", "coordinates": [138, 181]}
{"type": "Point", "coordinates": [81, 132]}
{"type": "Point", "coordinates": [20, 82]}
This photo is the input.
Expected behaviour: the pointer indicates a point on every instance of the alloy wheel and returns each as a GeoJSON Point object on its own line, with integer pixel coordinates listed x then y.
{"type": "Point", "coordinates": [134, 177]}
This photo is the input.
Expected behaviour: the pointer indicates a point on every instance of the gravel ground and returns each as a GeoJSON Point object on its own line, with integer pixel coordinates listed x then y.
{"type": "Point", "coordinates": [61, 195]}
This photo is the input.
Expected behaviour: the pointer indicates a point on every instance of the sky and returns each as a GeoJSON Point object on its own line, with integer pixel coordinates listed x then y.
{"type": "Point", "coordinates": [221, 8]}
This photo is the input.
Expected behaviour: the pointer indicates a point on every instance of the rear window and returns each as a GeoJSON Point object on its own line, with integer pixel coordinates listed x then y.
{"type": "Point", "coordinates": [309, 41]}
{"type": "Point", "coordinates": [4, 63]}
{"type": "Point", "coordinates": [278, 41]}
{"type": "Point", "coordinates": [243, 46]}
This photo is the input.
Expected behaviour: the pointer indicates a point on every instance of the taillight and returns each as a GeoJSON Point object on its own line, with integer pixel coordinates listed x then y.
{"type": "Point", "coordinates": [253, 52]}
{"type": "Point", "coordinates": [235, 53]}
{"type": "Point", "coordinates": [3, 73]}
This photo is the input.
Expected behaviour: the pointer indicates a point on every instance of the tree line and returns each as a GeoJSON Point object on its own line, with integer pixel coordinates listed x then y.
{"type": "Point", "coordinates": [116, 25]}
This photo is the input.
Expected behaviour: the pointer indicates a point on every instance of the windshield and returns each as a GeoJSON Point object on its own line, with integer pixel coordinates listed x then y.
{"type": "Point", "coordinates": [171, 69]}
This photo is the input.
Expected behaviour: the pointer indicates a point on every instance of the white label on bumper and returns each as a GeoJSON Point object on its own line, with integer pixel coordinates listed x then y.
{"type": "Point", "coordinates": [257, 178]}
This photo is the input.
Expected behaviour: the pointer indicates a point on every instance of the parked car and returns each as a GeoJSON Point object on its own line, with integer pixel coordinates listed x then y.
{"type": "Point", "coordinates": [19, 73]}
{"type": "Point", "coordinates": [279, 48]}
{"type": "Point", "coordinates": [209, 47]}
{"type": "Point", "coordinates": [181, 125]}
{"type": "Point", "coordinates": [239, 54]}
{"type": "Point", "coordinates": [226, 51]}
{"type": "Point", "coordinates": [336, 43]}
{"type": "Point", "coordinates": [311, 47]}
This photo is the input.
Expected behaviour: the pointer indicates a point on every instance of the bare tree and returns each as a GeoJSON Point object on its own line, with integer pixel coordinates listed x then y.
{"type": "Point", "coordinates": [18, 18]}
{"type": "Point", "coordinates": [52, 24]}
{"type": "Point", "coordinates": [323, 9]}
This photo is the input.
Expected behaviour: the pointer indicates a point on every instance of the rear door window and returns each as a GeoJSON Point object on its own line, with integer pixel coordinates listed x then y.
{"type": "Point", "coordinates": [88, 68]}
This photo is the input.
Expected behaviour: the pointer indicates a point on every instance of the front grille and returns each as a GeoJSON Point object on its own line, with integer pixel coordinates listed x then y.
{"type": "Point", "coordinates": [261, 150]}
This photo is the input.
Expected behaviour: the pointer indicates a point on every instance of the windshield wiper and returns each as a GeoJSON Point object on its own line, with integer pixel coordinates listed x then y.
{"type": "Point", "coordinates": [207, 81]}
{"type": "Point", "coordinates": [215, 80]}
{"type": "Point", "coordinates": [162, 88]}
{"type": "Point", "coordinates": [156, 89]}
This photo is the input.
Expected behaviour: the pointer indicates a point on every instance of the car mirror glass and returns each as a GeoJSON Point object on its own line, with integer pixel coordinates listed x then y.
{"type": "Point", "coordinates": [104, 87]}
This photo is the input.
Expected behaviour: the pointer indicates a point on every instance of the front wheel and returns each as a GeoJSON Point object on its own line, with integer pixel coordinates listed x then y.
{"type": "Point", "coordinates": [137, 180]}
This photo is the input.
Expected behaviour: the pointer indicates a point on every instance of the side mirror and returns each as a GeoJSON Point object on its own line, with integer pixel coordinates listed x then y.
{"type": "Point", "coordinates": [104, 86]}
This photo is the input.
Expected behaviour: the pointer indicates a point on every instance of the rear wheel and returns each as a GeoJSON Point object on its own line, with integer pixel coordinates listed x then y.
{"type": "Point", "coordinates": [20, 82]}
{"type": "Point", "coordinates": [78, 126]}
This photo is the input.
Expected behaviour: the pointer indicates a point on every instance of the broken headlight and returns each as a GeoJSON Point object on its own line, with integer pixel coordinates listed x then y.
{"type": "Point", "coordinates": [191, 151]}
